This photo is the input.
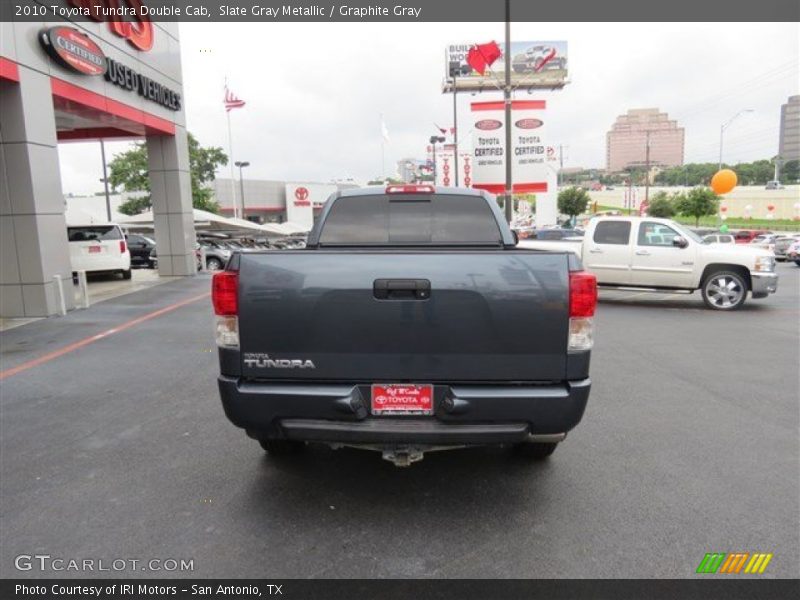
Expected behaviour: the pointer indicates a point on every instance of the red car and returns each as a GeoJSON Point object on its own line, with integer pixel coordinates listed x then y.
{"type": "Point", "coordinates": [745, 236]}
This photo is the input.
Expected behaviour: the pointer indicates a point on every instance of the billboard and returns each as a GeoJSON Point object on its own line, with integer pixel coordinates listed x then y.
{"type": "Point", "coordinates": [303, 198]}
{"type": "Point", "coordinates": [534, 65]}
{"type": "Point", "coordinates": [529, 168]}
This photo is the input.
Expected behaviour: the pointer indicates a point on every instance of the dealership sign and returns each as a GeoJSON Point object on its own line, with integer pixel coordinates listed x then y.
{"type": "Point", "coordinates": [303, 198]}
{"type": "Point", "coordinates": [528, 149]}
{"type": "Point", "coordinates": [74, 50]}
{"type": "Point", "coordinates": [533, 65]}
{"type": "Point", "coordinates": [445, 167]}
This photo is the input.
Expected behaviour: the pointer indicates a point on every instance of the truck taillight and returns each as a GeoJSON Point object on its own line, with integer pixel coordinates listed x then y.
{"type": "Point", "coordinates": [582, 303]}
{"type": "Point", "coordinates": [122, 246]}
{"type": "Point", "coordinates": [410, 189]}
{"type": "Point", "coordinates": [225, 297]}
{"type": "Point", "coordinates": [582, 294]}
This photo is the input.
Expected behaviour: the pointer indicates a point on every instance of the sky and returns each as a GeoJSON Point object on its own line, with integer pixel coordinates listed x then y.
{"type": "Point", "coordinates": [315, 92]}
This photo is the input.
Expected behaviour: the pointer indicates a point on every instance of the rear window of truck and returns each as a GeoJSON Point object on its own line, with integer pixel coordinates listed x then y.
{"type": "Point", "coordinates": [410, 219]}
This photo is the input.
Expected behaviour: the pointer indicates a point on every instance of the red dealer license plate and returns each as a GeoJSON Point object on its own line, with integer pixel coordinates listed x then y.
{"type": "Point", "coordinates": [402, 399]}
{"type": "Point", "coordinates": [94, 249]}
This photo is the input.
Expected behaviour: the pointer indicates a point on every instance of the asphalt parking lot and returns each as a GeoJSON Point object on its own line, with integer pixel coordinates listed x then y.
{"type": "Point", "coordinates": [117, 447]}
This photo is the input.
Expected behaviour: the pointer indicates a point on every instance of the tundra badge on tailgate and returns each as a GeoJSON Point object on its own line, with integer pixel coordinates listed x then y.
{"type": "Point", "coordinates": [263, 361]}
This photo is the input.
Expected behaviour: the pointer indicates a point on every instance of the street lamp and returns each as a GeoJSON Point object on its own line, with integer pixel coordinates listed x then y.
{"type": "Point", "coordinates": [105, 179]}
{"type": "Point", "coordinates": [434, 140]}
{"type": "Point", "coordinates": [456, 69]}
{"type": "Point", "coordinates": [725, 125]}
{"type": "Point", "coordinates": [242, 165]}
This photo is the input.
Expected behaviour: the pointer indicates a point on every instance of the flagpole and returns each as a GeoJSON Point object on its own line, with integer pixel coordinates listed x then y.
{"type": "Point", "coordinates": [230, 160]}
{"type": "Point", "coordinates": [383, 149]}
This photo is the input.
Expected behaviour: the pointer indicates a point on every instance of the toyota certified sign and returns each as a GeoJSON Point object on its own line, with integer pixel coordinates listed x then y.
{"type": "Point", "coordinates": [488, 124]}
{"type": "Point", "coordinates": [529, 123]}
{"type": "Point", "coordinates": [74, 50]}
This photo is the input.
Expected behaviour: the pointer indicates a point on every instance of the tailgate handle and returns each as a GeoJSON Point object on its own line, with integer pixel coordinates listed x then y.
{"type": "Point", "coordinates": [401, 289]}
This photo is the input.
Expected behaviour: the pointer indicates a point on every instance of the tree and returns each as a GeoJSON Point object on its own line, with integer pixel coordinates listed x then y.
{"type": "Point", "coordinates": [130, 172]}
{"type": "Point", "coordinates": [661, 206]}
{"type": "Point", "coordinates": [699, 202]}
{"type": "Point", "coordinates": [573, 201]}
{"type": "Point", "coordinates": [790, 172]}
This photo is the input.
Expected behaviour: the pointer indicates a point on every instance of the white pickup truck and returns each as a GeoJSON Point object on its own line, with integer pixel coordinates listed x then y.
{"type": "Point", "coordinates": [659, 254]}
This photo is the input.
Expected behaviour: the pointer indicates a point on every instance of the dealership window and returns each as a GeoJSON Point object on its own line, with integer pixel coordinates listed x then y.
{"type": "Point", "coordinates": [612, 232]}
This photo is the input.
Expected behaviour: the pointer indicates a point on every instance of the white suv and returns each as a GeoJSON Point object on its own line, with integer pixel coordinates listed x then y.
{"type": "Point", "coordinates": [99, 248]}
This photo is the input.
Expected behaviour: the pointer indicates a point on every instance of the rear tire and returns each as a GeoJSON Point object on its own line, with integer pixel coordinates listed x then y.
{"type": "Point", "coordinates": [797, 262]}
{"type": "Point", "coordinates": [724, 290]}
{"type": "Point", "coordinates": [535, 450]}
{"type": "Point", "coordinates": [126, 274]}
{"type": "Point", "coordinates": [282, 447]}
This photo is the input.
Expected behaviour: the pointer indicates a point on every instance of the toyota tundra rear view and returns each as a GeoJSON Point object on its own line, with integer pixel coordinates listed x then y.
{"type": "Point", "coordinates": [411, 322]}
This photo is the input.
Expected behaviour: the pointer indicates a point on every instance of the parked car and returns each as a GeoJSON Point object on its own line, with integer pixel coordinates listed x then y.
{"type": "Point", "coordinates": [99, 249]}
{"type": "Point", "coordinates": [659, 254]}
{"type": "Point", "coordinates": [765, 240]}
{"type": "Point", "coordinates": [719, 238]}
{"type": "Point", "coordinates": [745, 236]}
{"type": "Point", "coordinates": [782, 244]}
{"type": "Point", "coordinates": [216, 256]}
{"type": "Point", "coordinates": [773, 185]}
{"type": "Point", "coordinates": [140, 247]}
{"type": "Point", "coordinates": [793, 253]}
{"type": "Point", "coordinates": [359, 339]}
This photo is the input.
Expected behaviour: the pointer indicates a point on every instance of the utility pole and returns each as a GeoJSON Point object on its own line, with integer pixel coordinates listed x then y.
{"type": "Point", "coordinates": [507, 98]}
{"type": "Point", "coordinates": [105, 179]}
{"type": "Point", "coordinates": [560, 163]}
{"type": "Point", "coordinates": [241, 165]}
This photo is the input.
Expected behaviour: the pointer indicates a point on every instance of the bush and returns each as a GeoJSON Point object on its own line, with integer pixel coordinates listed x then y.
{"type": "Point", "coordinates": [661, 206]}
{"type": "Point", "coordinates": [699, 202]}
{"type": "Point", "coordinates": [573, 201]}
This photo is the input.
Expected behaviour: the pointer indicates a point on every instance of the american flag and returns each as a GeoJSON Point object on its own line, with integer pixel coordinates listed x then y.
{"type": "Point", "coordinates": [231, 101]}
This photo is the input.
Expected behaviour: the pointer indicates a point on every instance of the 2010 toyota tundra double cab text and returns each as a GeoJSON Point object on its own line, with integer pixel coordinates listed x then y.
{"type": "Point", "coordinates": [411, 322]}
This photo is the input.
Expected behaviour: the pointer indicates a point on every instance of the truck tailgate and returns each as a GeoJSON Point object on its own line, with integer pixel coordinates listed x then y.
{"type": "Point", "coordinates": [489, 315]}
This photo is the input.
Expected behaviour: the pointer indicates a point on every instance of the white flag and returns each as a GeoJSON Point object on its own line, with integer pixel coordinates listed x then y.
{"type": "Point", "coordinates": [384, 131]}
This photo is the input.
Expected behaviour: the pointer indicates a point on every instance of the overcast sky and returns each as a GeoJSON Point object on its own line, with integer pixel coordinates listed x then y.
{"type": "Point", "coordinates": [315, 91]}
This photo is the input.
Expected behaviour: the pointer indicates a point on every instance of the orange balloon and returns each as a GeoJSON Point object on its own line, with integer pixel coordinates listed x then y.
{"type": "Point", "coordinates": [723, 181]}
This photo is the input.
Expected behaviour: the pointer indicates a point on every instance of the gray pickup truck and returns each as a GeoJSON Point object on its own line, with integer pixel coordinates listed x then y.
{"type": "Point", "coordinates": [411, 322]}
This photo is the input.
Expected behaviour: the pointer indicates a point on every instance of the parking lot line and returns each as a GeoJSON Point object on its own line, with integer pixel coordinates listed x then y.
{"type": "Point", "coordinates": [93, 338]}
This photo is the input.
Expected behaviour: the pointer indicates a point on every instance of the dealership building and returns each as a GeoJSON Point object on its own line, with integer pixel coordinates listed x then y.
{"type": "Point", "coordinates": [82, 80]}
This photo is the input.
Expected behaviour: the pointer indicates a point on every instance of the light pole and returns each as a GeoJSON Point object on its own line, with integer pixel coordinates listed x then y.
{"type": "Point", "coordinates": [725, 125]}
{"type": "Point", "coordinates": [242, 165]}
{"type": "Point", "coordinates": [434, 140]}
{"type": "Point", "coordinates": [456, 69]}
{"type": "Point", "coordinates": [105, 179]}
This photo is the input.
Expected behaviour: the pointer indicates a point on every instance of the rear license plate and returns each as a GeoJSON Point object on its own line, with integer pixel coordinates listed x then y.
{"type": "Point", "coordinates": [94, 249]}
{"type": "Point", "coordinates": [402, 399]}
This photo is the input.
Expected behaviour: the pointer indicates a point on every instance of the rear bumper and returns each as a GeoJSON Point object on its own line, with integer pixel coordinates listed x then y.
{"type": "Point", "coordinates": [763, 284]}
{"type": "Point", "coordinates": [463, 414]}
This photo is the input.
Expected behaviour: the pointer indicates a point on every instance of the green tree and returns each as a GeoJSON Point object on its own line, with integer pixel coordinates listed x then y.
{"type": "Point", "coordinates": [661, 206]}
{"type": "Point", "coordinates": [573, 201]}
{"type": "Point", "coordinates": [698, 202]}
{"type": "Point", "coordinates": [129, 171]}
{"type": "Point", "coordinates": [790, 172]}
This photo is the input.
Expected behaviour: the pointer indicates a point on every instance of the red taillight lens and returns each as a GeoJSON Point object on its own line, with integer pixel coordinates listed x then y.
{"type": "Point", "coordinates": [225, 293]}
{"type": "Point", "coordinates": [122, 246]}
{"type": "Point", "coordinates": [582, 294]}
